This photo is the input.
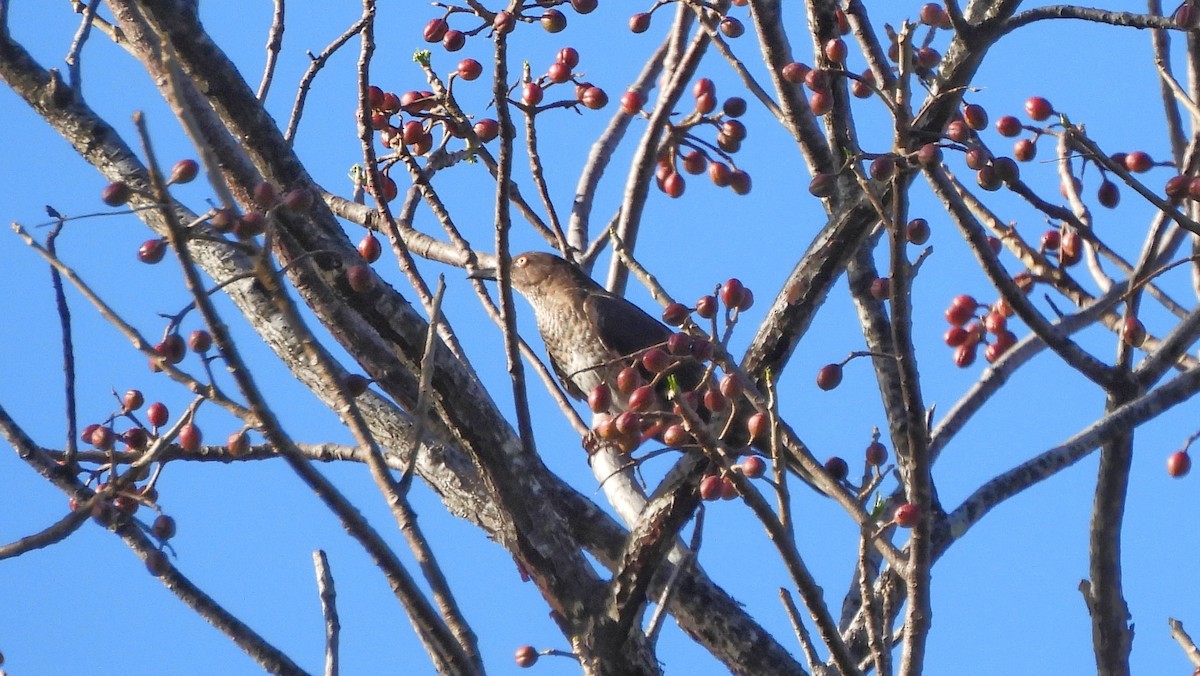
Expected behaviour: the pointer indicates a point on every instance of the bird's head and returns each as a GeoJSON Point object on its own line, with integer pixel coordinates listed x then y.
{"type": "Point", "coordinates": [532, 271]}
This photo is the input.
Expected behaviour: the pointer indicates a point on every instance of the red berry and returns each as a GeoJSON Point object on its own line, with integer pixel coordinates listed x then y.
{"type": "Point", "coordinates": [907, 515]}
{"type": "Point", "coordinates": [955, 336]}
{"type": "Point", "coordinates": [600, 398]}
{"type": "Point", "coordinates": [656, 360]}
{"type": "Point", "coordinates": [237, 443]}
{"type": "Point", "coordinates": [730, 386]}
{"type": "Point", "coordinates": [752, 466]}
{"type": "Point", "coordinates": [1133, 332]}
{"type": "Point", "coordinates": [628, 379]}
{"type": "Point", "coordinates": [714, 400]}
{"type": "Point", "coordinates": [836, 50]}
{"type": "Point", "coordinates": [1138, 162]}
{"type": "Point", "coordinates": [152, 251]}
{"type": "Point", "coordinates": [1179, 464]}
{"type": "Point", "coordinates": [1038, 108]}
{"type": "Point", "coordinates": [1024, 150]}
{"type": "Point", "coordinates": [1051, 240]}
{"type": "Point", "coordinates": [679, 344]}
{"type": "Point", "coordinates": [369, 248]}
{"type": "Point", "coordinates": [975, 116]}
{"type": "Point", "coordinates": [190, 437]}
{"type": "Point", "coordinates": [1108, 195]}
{"type": "Point", "coordinates": [172, 349]}
{"type": "Point", "coordinates": [632, 102]}
{"type": "Point", "coordinates": [132, 401]}
{"type": "Point", "coordinates": [163, 527]}
{"type": "Point", "coordinates": [711, 488]}
{"type": "Point", "coordinates": [487, 129]}
{"type": "Point", "coordinates": [734, 106]}
{"type": "Point", "coordinates": [917, 231]}
{"type": "Point", "coordinates": [454, 40]}
{"type": "Point", "coordinates": [531, 94]}
{"type": "Point", "coordinates": [200, 341]}
{"type": "Point", "coordinates": [837, 468]}
{"type": "Point", "coordinates": [469, 69]}
{"type": "Point", "coordinates": [706, 307]}
{"type": "Point", "coordinates": [876, 454]}
{"type": "Point", "coordinates": [673, 185]}
{"type": "Point", "coordinates": [640, 22]}
{"type": "Point", "coordinates": [526, 656]}
{"type": "Point", "coordinates": [964, 355]}
{"type": "Point", "coordinates": [1008, 126]}
{"type": "Point", "coordinates": [820, 103]}
{"type": "Point", "coordinates": [135, 439]}
{"type": "Point", "coordinates": [757, 425]}
{"type": "Point", "coordinates": [676, 436]}
{"type": "Point", "coordinates": [731, 292]}
{"type": "Point", "coordinates": [184, 171]}
{"type": "Point", "coordinates": [568, 56]}
{"type": "Point", "coordinates": [864, 86]}
{"type": "Point", "coordinates": [435, 30]}
{"type": "Point", "coordinates": [732, 28]}
{"type": "Point", "coordinates": [156, 414]}
{"type": "Point", "coordinates": [881, 288]}
{"type": "Point", "coordinates": [795, 72]}
{"type": "Point", "coordinates": [829, 377]}
{"type": "Point", "coordinates": [115, 194]}
{"type": "Point", "coordinates": [594, 98]}
{"type": "Point", "coordinates": [503, 22]}
{"type": "Point", "coordinates": [102, 438]}
{"type": "Point", "coordinates": [740, 182]}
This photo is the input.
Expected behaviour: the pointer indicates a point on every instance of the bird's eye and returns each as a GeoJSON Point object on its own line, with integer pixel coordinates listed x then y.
{"type": "Point", "coordinates": [520, 262]}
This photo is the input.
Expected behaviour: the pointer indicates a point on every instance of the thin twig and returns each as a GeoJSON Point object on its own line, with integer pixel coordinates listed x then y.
{"type": "Point", "coordinates": [274, 45]}
{"type": "Point", "coordinates": [328, 596]}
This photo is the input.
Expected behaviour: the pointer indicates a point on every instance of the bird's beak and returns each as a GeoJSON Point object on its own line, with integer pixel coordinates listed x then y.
{"type": "Point", "coordinates": [483, 273]}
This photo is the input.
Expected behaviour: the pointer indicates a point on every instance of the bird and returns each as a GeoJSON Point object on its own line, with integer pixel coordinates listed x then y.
{"type": "Point", "coordinates": [590, 333]}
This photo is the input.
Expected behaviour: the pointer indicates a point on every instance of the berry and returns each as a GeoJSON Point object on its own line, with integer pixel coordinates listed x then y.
{"type": "Point", "coordinates": [102, 438]}
{"type": "Point", "coordinates": [1038, 108]}
{"type": "Point", "coordinates": [152, 251]}
{"type": "Point", "coordinates": [435, 30]}
{"type": "Point", "coordinates": [836, 50]}
{"type": "Point", "coordinates": [675, 314]}
{"type": "Point", "coordinates": [594, 98]}
{"type": "Point", "coordinates": [881, 288]}
{"type": "Point", "coordinates": [531, 94]}
{"type": "Point", "coordinates": [676, 436]}
{"type": "Point", "coordinates": [526, 656]}
{"type": "Point", "coordinates": [1133, 332]}
{"type": "Point", "coordinates": [237, 443]}
{"type": "Point", "coordinates": [795, 72]}
{"type": "Point", "coordinates": [820, 103]}
{"type": "Point", "coordinates": [132, 401]}
{"type": "Point", "coordinates": [757, 424]}
{"type": "Point", "coordinates": [200, 341]}
{"type": "Point", "coordinates": [656, 360]}
{"type": "Point", "coordinates": [1024, 150]}
{"type": "Point", "coordinates": [1108, 195]}
{"type": "Point", "coordinates": [907, 515]}
{"type": "Point", "coordinates": [732, 28]}
{"type": "Point", "coordinates": [115, 194]}
{"type": "Point", "coordinates": [469, 69]}
{"type": "Point", "coordinates": [964, 355]}
{"type": "Point", "coordinates": [837, 468]}
{"type": "Point", "coordinates": [863, 86]}
{"type": "Point", "coordinates": [487, 129]}
{"type": "Point", "coordinates": [706, 307]}
{"type": "Point", "coordinates": [504, 22]}
{"type": "Point", "coordinates": [822, 185]}
{"type": "Point", "coordinates": [929, 154]}
{"type": "Point", "coordinates": [752, 466]}
{"type": "Point", "coordinates": [163, 527]}
{"type": "Point", "coordinates": [632, 102]}
{"type": "Point", "coordinates": [190, 437]}
{"type": "Point", "coordinates": [740, 182]}
{"type": "Point", "coordinates": [568, 56]}
{"type": "Point", "coordinates": [731, 292]}
{"type": "Point", "coordinates": [1008, 126]}
{"type": "Point", "coordinates": [711, 488]}
{"type": "Point", "coordinates": [640, 22]}
{"type": "Point", "coordinates": [829, 377]}
{"type": "Point", "coordinates": [171, 349]}
{"type": "Point", "coordinates": [917, 231]}
{"type": "Point", "coordinates": [584, 6]}
{"type": "Point", "coordinates": [369, 248]}
{"type": "Point", "coordinates": [554, 21]}
{"type": "Point", "coordinates": [156, 414]}
{"type": "Point", "coordinates": [1138, 162]}
{"type": "Point", "coordinates": [454, 40]}
{"type": "Point", "coordinates": [1051, 240]}
{"type": "Point", "coordinates": [184, 171]}
{"type": "Point", "coordinates": [734, 106]}
{"type": "Point", "coordinates": [714, 400]}
{"type": "Point", "coordinates": [876, 454]}
{"type": "Point", "coordinates": [975, 116]}
{"type": "Point", "coordinates": [1179, 464]}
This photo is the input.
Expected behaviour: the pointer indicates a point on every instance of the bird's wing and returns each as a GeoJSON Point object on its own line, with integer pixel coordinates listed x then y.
{"type": "Point", "coordinates": [567, 383]}
{"type": "Point", "coordinates": [623, 327]}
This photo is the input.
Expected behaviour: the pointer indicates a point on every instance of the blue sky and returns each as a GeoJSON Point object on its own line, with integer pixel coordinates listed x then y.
{"type": "Point", "coordinates": [1005, 597]}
